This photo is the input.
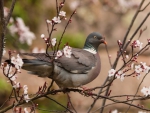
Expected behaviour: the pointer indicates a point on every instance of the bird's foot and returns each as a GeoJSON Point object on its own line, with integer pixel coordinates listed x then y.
{"type": "Point", "coordinates": [86, 91]}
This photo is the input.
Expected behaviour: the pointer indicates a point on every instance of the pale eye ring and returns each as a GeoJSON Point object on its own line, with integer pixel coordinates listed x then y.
{"type": "Point", "coordinates": [95, 36]}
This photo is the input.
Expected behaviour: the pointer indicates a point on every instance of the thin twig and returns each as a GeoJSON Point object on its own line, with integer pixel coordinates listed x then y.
{"type": "Point", "coordinates": [10, 12]}
{"type": "Point", "coordinates": [59, 104]}
{"type": "Point", "coordinates": [71, 103]}
{"type": "Point", "coordinates": [108, 55]}
{"type": "Point", "coordinates": [144, 7]}
{"type": "Point", "coordinates": [127, 33]}
{"type": "Point", "coordinates": [137, 91]}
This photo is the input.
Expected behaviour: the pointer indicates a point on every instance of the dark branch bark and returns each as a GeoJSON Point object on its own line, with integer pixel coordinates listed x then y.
{"type": "Point", "coordinates": [2, 29]}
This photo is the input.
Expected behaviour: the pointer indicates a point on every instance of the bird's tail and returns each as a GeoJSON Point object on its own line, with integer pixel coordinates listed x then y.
{"type": "Point", "coordinates": [37, 67]}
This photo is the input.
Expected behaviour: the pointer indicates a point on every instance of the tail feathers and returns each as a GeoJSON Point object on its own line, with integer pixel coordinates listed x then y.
{"type": "Point", "coordinates": [37, 67]}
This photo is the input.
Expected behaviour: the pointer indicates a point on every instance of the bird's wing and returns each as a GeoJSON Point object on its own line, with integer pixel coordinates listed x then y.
{"type": "Point", "coordinates": [81, 61]}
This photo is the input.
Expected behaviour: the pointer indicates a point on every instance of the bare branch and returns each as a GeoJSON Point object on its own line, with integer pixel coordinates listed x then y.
{"type": "Point", "coordinates": [10, 12]}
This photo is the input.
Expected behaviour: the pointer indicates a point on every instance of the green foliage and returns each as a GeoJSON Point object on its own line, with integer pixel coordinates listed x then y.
{"type": "Point", "coordinates": [74, 40]}
{"type": "Point", "coordinates": [47, 105]}
{"type": "Point", "coordinates": [4, 86]}
{"type": "Point", "coordinates": [27, 12]}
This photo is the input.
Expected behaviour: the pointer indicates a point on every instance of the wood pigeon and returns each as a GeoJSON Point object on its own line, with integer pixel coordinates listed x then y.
{"type": "Point", "coordinates": [83, 66]}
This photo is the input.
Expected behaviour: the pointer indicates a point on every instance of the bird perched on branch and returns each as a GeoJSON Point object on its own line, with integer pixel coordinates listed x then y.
{"type": "Point", "coordinates": [81, 68]}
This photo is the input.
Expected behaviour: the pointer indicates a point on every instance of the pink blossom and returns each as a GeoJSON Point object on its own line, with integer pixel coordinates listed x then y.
{"type": "Point", "coordinates": [25, 35]}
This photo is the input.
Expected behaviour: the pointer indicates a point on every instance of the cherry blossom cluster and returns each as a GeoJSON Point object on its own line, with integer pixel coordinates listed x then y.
{"type": "Point", "coordinates": [145, 91]}
{"type": "Point", "coordinates": [57, 20]}
{"type": "Point", "coordinates": [118, 74]}
{"type": "Point", "coordinates": [18, 27]}
{"type": "Point", "coordinates": [67, 51]}
{"type": "Point", "coordinates": [142, 67]}
{"type": "Point", "coordinates": [137, 43]}
{"type": "Point", "coordinates": [53, 40]}
{"type": "Point", "coordinates": [10, 70]}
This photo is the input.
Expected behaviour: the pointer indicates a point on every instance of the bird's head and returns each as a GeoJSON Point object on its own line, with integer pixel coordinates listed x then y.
{"type": "Point", "coordinates": [93, 41]}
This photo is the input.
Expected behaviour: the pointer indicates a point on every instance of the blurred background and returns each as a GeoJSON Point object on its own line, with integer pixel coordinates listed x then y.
{"type": "Point", "coordinates": [110, 18]}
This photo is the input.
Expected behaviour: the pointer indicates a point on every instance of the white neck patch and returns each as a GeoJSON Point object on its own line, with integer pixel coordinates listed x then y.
{"type": "Point", "coordinates": [91, 50]}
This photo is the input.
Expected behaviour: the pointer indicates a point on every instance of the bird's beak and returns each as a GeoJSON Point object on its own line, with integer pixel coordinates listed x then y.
{"type": "Point", "coordinates": [105, 42]}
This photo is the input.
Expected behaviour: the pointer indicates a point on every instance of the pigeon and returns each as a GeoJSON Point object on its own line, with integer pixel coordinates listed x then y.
{"type": "Point", "coordinates": [82, 67]}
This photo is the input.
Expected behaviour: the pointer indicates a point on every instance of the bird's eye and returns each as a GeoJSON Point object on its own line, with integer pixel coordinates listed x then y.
{"type": "Point", "coordinates": [95, 36]}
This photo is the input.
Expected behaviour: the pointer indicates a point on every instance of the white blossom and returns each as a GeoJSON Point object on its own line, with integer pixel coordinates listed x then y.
{"type": "Point", "coordinates": [111, 72]}
{"type": "Point", "coordinates": [25, 88]}
{"type": "Point", "coordinates": [12, 77]}
{"type": "Point", "coordinates": [144, 67]}
{"type": "Point", "coordinates": [17, 85]}
{"type": "Point", "coordinates": [62, 13]}
{"type": "Point", "coordinates": [115, 111]}
{"type": "Point", "coordinates": [138, 69]}
{"type": "Point", "coordinates": [58, 54]}
{"type": "Point", "coordinates": [56, 20]}
{"type": "Point", "coordinates": [7, 69]}
{"type": "Point", "coordinates": [120, 75]}
{"type": "Point", "coordinates": [127, 56]}
{"type": "Point", "coordinates": [53, 41]}
{"type": "Point", "coordinates": [25, 110]}
{"type": "Point", "coordinates": [145, 91]}
{"type": "Point", "coordinates": [42, 35]}
{"type": "Point", "coordinates": [17, 61]}
{"type": "Point", "coordinates": [49, 22]}
{"type": "Point", "coordinates": [67, 51]}
{"type": "Point", "coordinates": [137, 43]}
{"type": "Point", "coordinates": [26, 96]}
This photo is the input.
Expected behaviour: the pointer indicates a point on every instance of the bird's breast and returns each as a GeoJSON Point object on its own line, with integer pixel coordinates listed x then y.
{"type": "Point", "coordinates": [65, 79]}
